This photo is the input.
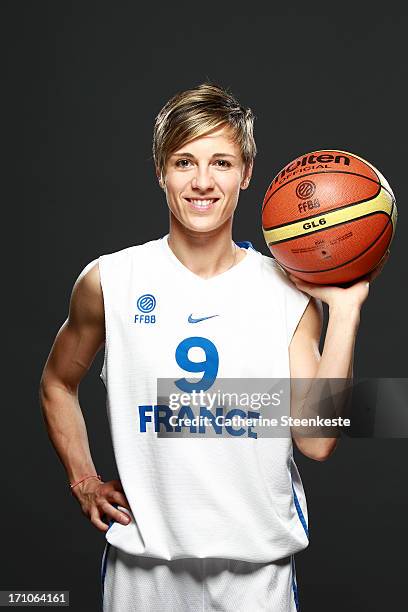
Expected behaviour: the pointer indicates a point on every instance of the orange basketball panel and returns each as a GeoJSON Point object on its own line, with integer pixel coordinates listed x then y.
{"type": "Point", "coordinates": [331, 247]}
{"type": "Point", "coordinates": [354, 268]}
{"type": "Point", "coordinates": [325, 193]}
{"type": "Point", "coordinates": [320, 162]}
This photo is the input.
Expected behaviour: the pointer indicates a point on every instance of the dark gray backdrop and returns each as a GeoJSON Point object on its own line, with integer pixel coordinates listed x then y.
{"type": "Point", "coordinates": [85, 82]}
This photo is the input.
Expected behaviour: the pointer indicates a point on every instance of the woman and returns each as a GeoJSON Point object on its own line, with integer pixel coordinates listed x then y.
{"type": "Point", "coordinates": [195, 524]}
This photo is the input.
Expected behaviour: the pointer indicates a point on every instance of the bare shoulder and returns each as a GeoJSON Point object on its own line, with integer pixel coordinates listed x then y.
{"type": "Point", "coordinates": [86, 305]}
{"type": "Point", "coordinates": [81, 336]}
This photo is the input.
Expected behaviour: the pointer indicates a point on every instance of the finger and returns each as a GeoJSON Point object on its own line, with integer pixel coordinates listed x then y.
{"type": "Point", "coordinates": [295, 280]}
{"type": "Point", "coordinates": [117, 495]}
{"type": "Point", "coordinates": [300, 282]}
{"type": "Point", "coordinates": [304, 285]}
{"type": "Point", "coordinates": [119, 498]}
{"type": "Point", "coordinates": [111, 512]}
{"type": "Point", "coordinates": [115, 485]}
{"type": "Point", "coordinates": [96, 520]}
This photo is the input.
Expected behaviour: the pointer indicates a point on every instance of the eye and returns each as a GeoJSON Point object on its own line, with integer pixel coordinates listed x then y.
{"type": "Point", "coordinates": [180, 164]}
{"type": "Point", "coordinates": [224, 163]}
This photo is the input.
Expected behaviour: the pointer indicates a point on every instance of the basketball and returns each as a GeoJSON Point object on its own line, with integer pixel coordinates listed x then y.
{"type": "Point", "coordinates": [329, 217]}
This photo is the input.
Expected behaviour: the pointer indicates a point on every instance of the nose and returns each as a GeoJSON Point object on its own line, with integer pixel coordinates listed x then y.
{"type": "Point", "coordinates": [203, 179]}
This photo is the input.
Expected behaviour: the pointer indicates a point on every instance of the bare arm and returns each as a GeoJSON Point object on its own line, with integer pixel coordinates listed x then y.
{"type": "Point", "coordinates": [336, 361]}
{"type": "Point", "coordinates": [78, 341]}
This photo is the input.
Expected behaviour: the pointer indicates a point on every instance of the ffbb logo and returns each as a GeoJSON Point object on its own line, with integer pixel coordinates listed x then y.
{"type": "Point", "coordinates": [309, 205]}
{"type": "Point", "coordinates": [305, 190]}
{"type": "Point", "coordinates": [146, 303]}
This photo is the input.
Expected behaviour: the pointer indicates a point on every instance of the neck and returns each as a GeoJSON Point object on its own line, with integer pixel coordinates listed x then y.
{"type": "Point", "coordinates": [204, 253]}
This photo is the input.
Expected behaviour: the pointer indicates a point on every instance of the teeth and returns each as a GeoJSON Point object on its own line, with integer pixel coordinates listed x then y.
{"type": "Point", "coordinates": [202, 203]}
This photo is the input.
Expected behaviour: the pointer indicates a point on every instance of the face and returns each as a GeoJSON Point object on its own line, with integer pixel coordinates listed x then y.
{"type": "Point", "coordinates": [202, 181]}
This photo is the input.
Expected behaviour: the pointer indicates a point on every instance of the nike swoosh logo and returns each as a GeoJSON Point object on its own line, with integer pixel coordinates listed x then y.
{"type": "Point", "coordinates": [191, 320]}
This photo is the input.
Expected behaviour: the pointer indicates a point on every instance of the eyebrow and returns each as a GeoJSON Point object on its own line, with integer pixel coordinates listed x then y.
{"type": "Point", "coordinates": [185, 154]}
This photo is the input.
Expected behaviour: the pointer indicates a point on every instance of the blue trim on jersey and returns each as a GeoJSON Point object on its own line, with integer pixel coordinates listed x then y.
{"type": "Point", "coordinates": [245, 244]}
{"type": "Point", "coordinates": [294, 585]}
{"type": "Point", "coordinates": [103, 567]}
{"type": "Point", "coordinates": [299, 511]}
{"type": "Point", "coordinates": [105, 554]}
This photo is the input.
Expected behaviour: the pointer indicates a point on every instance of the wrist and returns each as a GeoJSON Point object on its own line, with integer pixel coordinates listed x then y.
{"type": "Point", "coordinates": [349, 313]}
{"type": "Point", "coordinates": [86, 487]}
{"type": "Point", "coordinates": [84, 479]}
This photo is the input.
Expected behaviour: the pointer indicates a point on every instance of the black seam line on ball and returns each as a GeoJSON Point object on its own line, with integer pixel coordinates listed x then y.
{"type": "Point", "coordinates": [343, 264]}
{"type": "Point", "coordinates": [346, 262]}
{"type": "Point", "coordinates": [325, 172]}
{"type": "Point", "coordinates": [321, 214]}
{"type": "Point", "coordinates": [355, 158]}
{"type": "Point", "coordinates": [295, 178]}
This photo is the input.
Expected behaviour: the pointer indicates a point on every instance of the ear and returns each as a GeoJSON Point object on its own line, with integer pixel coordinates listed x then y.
{"type": "Point", "coordinates": [158, 175]}
{"type": "Point", "coordinates": [247, 175]}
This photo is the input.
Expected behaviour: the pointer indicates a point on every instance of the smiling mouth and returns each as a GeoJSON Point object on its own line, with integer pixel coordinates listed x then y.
{"type": "Point", "coordinates": [201, 204]}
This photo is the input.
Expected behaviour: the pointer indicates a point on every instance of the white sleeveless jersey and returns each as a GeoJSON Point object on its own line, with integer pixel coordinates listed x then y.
{"type": "Point", "coordinates": [224, 498]}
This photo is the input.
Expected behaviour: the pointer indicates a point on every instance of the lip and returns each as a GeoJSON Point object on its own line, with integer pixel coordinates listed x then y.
{"type": "Point", "coordinates": [198, 208]}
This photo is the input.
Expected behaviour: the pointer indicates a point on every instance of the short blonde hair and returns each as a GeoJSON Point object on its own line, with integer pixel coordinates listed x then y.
{"type": "Point", "coordinates": [195, 112]}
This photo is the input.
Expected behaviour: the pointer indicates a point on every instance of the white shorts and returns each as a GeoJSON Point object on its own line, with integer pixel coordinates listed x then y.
{"type": "Point", "coordinates": [144, 584]}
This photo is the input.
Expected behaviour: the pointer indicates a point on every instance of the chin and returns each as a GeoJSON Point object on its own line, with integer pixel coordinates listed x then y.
{"type": "Point", "coordinates": [199, 223]}
{"type": "Point", "coordinates": [203, 225]}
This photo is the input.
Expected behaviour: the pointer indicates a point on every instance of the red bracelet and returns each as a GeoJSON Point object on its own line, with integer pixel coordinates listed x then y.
{"type": "Point", "coordinates": [84, 478]}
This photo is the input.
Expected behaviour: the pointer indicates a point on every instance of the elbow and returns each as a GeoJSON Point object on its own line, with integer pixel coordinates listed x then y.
{"type": "Point", "coordinates": [318, 450]}
{"type": "Point", "coordinates": [325, 450]}
{"type": "Point", "coordinates": [321, 456]}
